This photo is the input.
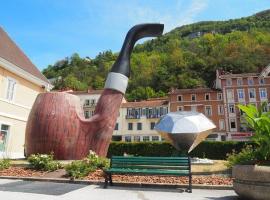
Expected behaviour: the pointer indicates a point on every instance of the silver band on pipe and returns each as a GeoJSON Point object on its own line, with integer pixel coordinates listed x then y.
{"type": "Point", "coordinates": [116, 81]}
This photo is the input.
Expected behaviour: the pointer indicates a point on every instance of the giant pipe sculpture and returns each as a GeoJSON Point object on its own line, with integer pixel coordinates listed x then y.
{"type": "Point", "coordinates": [56, 122]}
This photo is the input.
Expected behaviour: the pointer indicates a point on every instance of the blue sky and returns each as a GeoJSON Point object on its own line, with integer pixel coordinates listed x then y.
{"type": "Point", "coordinates": [49, 30]}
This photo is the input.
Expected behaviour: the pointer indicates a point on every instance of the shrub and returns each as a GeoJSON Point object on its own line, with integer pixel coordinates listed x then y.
{"type": "Point", "coordinates": [43, 162]}
{"type": "Point", "coordinates": [81, 168]}
{"type": "Point", "coordinates": [4, 164]}
{"type": "Point", "coordinates": [207, 149]}
{"type": "Point", "coordinates": [245, 157]}
{"type": "Point", "coordinates": [259, 121]}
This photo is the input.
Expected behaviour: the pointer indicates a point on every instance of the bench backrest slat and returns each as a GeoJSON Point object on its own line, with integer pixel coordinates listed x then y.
{"type": "Point", "coordinates": [164, 163]}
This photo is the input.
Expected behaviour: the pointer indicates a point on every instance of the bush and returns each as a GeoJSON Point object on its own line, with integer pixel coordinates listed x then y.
{"type": "Point", "coordinates": [244, 157]}
{"type": "Point", "coordinates": [43, 162]}
{"type": "Point", "coordinates": [4, 164]}
{"type": "Point", "coordinates": [81, 168]}
{"type": "Point", "coordinates": [259, 121]}
{"type": "Point", "coordinates": [207, 149]}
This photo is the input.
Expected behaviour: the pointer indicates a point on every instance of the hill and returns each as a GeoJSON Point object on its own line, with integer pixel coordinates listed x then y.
{"type": "Point", "coordinates": [185, 57]}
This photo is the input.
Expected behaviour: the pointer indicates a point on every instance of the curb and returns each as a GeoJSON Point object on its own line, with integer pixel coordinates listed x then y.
{"type": "Point", "coordinates": [121, 184]}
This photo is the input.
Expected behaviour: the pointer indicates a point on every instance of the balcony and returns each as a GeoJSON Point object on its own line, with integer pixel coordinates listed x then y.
{"type": "Point", "coordinates": [133, 117]}
{"type": "Point", "coordinates": [154, 116]}
{"type": "Point", "coordinates": [89, 105]}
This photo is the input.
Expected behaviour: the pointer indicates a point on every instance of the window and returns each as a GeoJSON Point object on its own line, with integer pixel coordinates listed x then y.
{"type": "Point", "coordinates": [232, 124]}
{"type": "Point", "coordinates": [219, 96]}
{"type": "Point", "coordinates": [251, 93]}
{"type": "Point", "coordinates": [87, 102]}
{"type": "Point", "coordinates": [127, 138]}
{"type": "Point", "coordinates": [87, 114]}
{"type": "Point", "coordinates": [241, 94]}
{"type": "Point", "coordinates": [221, 124]}
{"type": "Point", "coordinates": [220, 110]}
{"type": "Point", "coordinates": [180, 108]}
{"type": "Point", "coordinates": [230, 95]}
{"type": "Point", "coordinates": [130, 126]}
{"type": "Point", "coordinates": [193, 97]}
{"type": "Point", "coordinates": [208, 110]}
{"type": "Point", "coordinates": [139, 126]}
{"type": "Point", "coordinates": [137, 138]}
{"type": "Point", "coordinates": [146, 138]}
{"type": "Point", "coordinates": [11, 84]}
{"type": "Point", "coordinates": [155, 138]}
{"type": "Point", "coordinates": [250, 81]}
{"type": "Point", "coordinates": [152, 125]}
{"type": "Point", "coordinates": [263, 93]}
{"type": "Point", "coordinates": [228, 81]}
{"type": "Point", "coordinates": [207, 97]}
{"type": "Point", "coordinates": [179, 98]}
{"type": "Point", "coordinates": [231, 108]}
{"type": "Point", "coordinates": [261, 81]}
{"type": "Point", "coordinates": [4, 131]}
{"type": "Point", "coordinates": [93, 101]}
{"type": "Point", "coordinates": [265, 108]}
{"type": "Point", "coordinates": [116, 127]}
{"type": "Point", "coordinates": [239, 81]}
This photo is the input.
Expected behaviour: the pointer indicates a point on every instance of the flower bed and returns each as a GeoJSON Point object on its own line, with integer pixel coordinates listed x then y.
{"type": "Point", "coordinates": [21, 172]}
{"type": "Point", "coordinates": [98, 176]}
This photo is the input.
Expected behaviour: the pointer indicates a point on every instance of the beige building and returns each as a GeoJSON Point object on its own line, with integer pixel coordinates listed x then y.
{"type": "Point", "coordinates": [20, 83]}
{"type": "Point", "coordinates": [136, 120]}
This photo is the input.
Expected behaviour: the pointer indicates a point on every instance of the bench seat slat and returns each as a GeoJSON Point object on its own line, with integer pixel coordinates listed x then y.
{"type": "Point", "coordinates": [150, 167]}
{"type": "Point", "coordinates": [150, 163]}
{"type": "Point", "coordinates": [150, 158]}
{"type": "Point", "coordinates": [148, 171]}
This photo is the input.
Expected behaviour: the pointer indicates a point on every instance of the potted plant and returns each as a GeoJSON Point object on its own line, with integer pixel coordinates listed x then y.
{"type": "Point", "coordinates": [251, 167]}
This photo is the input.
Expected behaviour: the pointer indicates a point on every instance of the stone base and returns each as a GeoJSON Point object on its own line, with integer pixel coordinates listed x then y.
{"type": "Point", "coordinates": [252, 181]}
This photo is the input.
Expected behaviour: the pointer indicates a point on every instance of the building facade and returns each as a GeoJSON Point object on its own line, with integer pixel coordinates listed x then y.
{"type": "Point", "coordinates": [136, 120]}
{"type": "Point", "coordinates": [20, 83]}
{"type": "Point", "coordinates": [220, 103]}
{"type": "Point", "coordinates": [246, 88]}
{"type": "Point", "coordinates": [204, 100]}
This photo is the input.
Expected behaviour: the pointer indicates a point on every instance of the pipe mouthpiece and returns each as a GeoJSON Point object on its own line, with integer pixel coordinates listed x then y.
{"type": "Point", "coordinates": [120, 72]}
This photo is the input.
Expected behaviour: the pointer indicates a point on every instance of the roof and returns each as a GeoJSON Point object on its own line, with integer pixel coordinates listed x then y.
{"type": "Point", "coordinates": [193, 90]}
{"type": "Point", "coordinates": [85, 92]}
{"type": "Point", "coordinates": [239, 75]}
{"type": "Point", "coordinates": [13, 54]}
{"type": "Point", "coordinates": [148, 103]}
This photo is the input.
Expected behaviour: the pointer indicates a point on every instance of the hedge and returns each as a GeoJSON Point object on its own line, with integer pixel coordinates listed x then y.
{"type": "Point", "coordinates": [207, 149]}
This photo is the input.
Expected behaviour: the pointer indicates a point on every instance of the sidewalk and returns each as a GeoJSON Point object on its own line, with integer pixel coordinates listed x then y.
{"type": "Point", "coordinates": [30, 190]}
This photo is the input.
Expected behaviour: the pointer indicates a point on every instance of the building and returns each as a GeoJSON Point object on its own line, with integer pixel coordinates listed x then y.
{"type": "Point", "coordinates": [204, 100]}
{"type": "Point", "coordinates": [88, 100]}
{"type": "Point", "coordinates": [220, 103]}
{"type": "Point", "coordinates": [136, 120]}
{"type": "Point", "coordinates": [20, 83]}
{"type": "Point", "coordinates": [245, 88]}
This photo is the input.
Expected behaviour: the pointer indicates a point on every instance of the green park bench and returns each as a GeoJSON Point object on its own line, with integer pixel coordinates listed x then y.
{"type": "Point", "coordinates": [169, 166]}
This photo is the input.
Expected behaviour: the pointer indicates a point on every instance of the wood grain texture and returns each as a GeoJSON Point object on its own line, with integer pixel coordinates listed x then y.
{"type": "Point", "coordinates": [56, 124]}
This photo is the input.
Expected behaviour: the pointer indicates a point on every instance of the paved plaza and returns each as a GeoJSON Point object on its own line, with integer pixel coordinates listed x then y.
{"type": "Point", "coordinates": [28, 190]}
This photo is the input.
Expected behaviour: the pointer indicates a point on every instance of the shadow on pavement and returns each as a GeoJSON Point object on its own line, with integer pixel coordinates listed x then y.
{"type": "Point", "coordinates": [224, 198]}
{"type": "Point", "coordinates": [46, 188]}
{"type": "Point", "coordinates": [143, 188]}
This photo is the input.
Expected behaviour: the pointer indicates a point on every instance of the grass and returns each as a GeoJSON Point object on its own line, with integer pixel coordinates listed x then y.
{"type": "Point", "coordinates": [218, 166]}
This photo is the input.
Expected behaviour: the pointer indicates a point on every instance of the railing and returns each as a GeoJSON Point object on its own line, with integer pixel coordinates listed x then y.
{"type": "Point", "coordinates": [133, 116]}
{"type": "Point", "coordinates": [90, 105]}
{"type": "Point", "coordinates": [153, 116]}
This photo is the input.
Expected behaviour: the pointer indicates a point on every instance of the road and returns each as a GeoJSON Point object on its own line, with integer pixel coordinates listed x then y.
{"type": "Point", "coordinates": [28, 190]}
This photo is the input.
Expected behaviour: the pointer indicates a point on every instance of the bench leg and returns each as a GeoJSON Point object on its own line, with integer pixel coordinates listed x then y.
{"type": "Point", "coordinates": [110, 179]}
{"type": "Point", "coordinates": [106, 181]}
{"type": "Point", "coordinates": [190, 184]}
